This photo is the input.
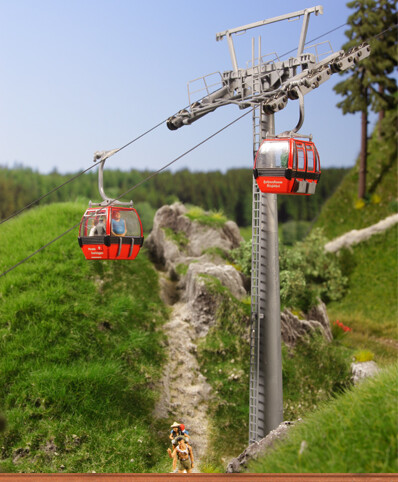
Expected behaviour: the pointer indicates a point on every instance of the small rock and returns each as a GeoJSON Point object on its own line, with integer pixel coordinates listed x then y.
{"type": "Point", "coordinates": [363, 370]}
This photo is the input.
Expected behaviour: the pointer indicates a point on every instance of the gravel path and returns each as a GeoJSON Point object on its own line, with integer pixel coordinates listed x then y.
{"type": "Point", "coordinates": [185, 390]}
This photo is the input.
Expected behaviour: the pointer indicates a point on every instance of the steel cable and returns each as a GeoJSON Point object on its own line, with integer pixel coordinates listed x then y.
{"type": "Point", "coordinates": [129, 190]}
{"type": "Point", "coordinates": [77, 175]}
{"type": "Point", "coordinates": [151, 175]}
{"type": "Point", "coordinates": [128, 144]}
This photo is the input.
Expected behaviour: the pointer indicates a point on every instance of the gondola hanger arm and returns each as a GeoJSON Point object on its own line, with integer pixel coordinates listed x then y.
{"type": "Point", "coordinates": [102, 156]}
{"type": "Point", "coordinates": [301, 117]}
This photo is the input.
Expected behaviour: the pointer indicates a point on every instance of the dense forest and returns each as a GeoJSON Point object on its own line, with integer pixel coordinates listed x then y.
{"type": "Point", "coordinates": [230, 192]}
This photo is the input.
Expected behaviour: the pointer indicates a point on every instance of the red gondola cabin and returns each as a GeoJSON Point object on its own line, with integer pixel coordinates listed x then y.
{"type": "Point", "coordinates": [110, 233]}
{"type": "Point", "coordinates": [287, 166]}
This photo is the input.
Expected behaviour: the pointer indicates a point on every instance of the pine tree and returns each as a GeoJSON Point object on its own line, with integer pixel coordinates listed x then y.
{"type": "Point", "coordinates": [370, 85]}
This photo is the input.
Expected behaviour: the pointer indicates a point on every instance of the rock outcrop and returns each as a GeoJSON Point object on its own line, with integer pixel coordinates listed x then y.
{"type": "Point", "coordinates": [358, 235]}
{"type": "Point", "coordinates": [200, 299]}
{"type": "Point", "coordinates": [257, 449]}
{"type": "Point", "coordinates": [195, 238]}
{"type": "Point", "coordinates": [177, 241]}
{"type": "Point", "coordinates": [294, 328]}
{"type": "Point", "coordinates": [192, 271]}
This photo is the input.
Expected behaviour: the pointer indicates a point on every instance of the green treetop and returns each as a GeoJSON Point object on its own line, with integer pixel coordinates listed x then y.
{"type": "Point", "coordinates": [370, 83]}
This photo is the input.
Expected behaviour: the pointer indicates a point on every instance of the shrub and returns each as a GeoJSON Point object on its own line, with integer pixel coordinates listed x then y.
{"type": "Point", "coordinates": [313, 372]}
{"type": "Point", "coordinates": [363, 356]}
{"type": "Point", "coordinates": [307, 272]}
{"type": "Point", "coordinates": [214, 219]}
{"type": "Point", "coordinates": [242, 256]}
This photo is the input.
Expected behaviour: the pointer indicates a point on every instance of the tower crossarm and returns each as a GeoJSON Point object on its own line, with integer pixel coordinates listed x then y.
{"type": "Point", "coordinates": [271, 84]}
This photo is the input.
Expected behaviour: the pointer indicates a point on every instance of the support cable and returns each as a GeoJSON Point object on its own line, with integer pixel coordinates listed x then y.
{"type": "Point", "coordinates": [316, 38]}
{"type": "Point", "coordinates": [182, 155]}
{"type": "Point", "coordinates": [152, 129]}
{"type": "Point", "coordinates": [129, 190]}
{"type": "Point", "coordinates": [151, 175]}
{"type": "Point", "coordinates": [333, 30]}
{"type": "Point", "coordinates": [79, 174]}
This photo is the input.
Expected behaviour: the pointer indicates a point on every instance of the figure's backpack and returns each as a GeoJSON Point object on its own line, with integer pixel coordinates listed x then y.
{"type": "Point", "coordinates": [182, 429]}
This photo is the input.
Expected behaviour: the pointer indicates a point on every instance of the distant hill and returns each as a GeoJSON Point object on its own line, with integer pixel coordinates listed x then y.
{"type": "Point", "coordinates": [230, 192]}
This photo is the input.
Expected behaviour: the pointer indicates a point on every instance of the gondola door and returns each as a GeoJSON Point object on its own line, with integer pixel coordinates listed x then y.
{"type": "Point", "coordinates": [92, 234]}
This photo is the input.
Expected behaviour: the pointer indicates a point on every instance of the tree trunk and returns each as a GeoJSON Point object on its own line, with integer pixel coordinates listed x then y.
{"type": "Point", "coordinates": [381, 113]}
{"type": "Point", "coordinates": [363, 157]}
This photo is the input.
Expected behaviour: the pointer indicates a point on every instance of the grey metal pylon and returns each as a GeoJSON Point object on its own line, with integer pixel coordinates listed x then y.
{"type": "Point", "coordinates": [254, 325]}
{"type": "Point", "coordinates": [266, 397]}
{"type": "Point", "coordinates": [267, 87]}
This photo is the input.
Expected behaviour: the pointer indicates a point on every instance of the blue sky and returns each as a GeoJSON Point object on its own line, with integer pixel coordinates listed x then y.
{"type": "Point", "coordinates": [79, 76]}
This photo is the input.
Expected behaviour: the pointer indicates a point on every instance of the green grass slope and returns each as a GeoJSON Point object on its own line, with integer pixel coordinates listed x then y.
{"type": "Point", "coordinates": [343, 211]}
{"type": "Point", "coordinates": [80, 351]}
{"type": "Point", "coordinates": [355, 433]}
{"type": "Point", "coordinates": [370, 305]}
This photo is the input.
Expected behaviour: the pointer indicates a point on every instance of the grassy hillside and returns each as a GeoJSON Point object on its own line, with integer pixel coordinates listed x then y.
{"type": "Point", "coordinates": [355, 433]}
{"type": "Point", "coordinates": [370, 305]}
{"type": "Point", "coordinates": [344, 211]}
{"type": "Point", "coordinates": [80, 350]}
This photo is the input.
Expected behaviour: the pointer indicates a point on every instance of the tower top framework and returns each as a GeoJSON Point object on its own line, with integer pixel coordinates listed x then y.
{"type": "Point", "coordinates": [270, 83]}
{"type": "Point", "coordinates": [290, 16]}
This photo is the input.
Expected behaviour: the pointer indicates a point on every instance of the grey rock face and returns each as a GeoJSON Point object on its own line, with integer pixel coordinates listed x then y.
{"type": "Point", "coordinates": [198, 297]}
{"type": "Point", "coordinates": [293, 328]}
{"type": "Point", "coordinates": [318, 313]}
{"type": "Point", "coordinates": [192, 253]}
{"type": "Point", "coordinates": [197, 237]}
{"type": "Point", "coordinates": [256, 449]}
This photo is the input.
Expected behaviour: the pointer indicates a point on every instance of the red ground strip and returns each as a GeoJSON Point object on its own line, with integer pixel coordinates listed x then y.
{"type": "Point", "coordinates": [198, 477]}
